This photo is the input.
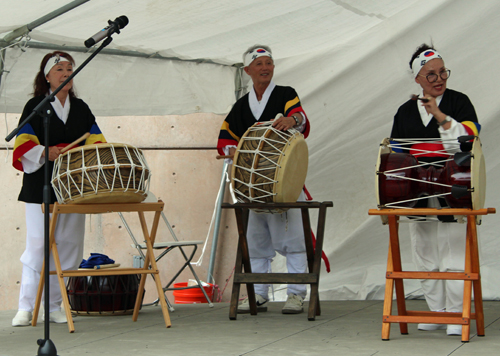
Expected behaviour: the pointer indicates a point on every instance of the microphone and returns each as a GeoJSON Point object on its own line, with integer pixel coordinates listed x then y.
{"type": "Point", "coordinates": [114, 26]}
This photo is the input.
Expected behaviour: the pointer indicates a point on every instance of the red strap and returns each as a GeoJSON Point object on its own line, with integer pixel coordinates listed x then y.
{"type": "Point", "coordinates": [323, 255]}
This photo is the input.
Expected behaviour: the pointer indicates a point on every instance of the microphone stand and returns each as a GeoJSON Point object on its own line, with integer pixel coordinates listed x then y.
{"type": "Point", "coordinates": [44, 109]}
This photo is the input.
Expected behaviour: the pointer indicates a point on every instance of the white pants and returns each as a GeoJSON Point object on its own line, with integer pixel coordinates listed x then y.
{"type": "Point", "coordinates": [282, 233]}
{"type": "Point", "coordinates": [69, 234]}
{"type": "Point", "coordinates": [440, 247]}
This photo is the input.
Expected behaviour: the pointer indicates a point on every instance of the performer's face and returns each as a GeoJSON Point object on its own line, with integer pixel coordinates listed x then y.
{"type": "Point", "coordinates": [437, 88]}
{"type": "Point", "coordinates": [261, 70]}
{"type": "Point", "coordinates": [58, 74]}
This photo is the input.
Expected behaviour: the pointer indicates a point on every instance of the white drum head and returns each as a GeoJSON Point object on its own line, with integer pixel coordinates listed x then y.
{"type": "Point", "coordinates": [478, 177]}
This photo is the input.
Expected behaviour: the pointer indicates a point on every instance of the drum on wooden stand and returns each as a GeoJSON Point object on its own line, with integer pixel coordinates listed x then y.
{"type": "Point", "coordinates": [101, 173]}
{"type": "Point", "coordinates": [107, 295]}
{"type": "Point", "coordinates": [269, 166]}
{"type": "Point", "coordinates": [460, 178]}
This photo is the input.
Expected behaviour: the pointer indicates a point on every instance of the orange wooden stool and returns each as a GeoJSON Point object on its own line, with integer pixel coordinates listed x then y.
{"type": "Point", "coordinates": [395, 275]}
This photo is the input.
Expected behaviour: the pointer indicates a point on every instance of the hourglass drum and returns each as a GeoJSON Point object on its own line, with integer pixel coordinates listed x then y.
{"type": "Point", "coordinates": [401, 180]}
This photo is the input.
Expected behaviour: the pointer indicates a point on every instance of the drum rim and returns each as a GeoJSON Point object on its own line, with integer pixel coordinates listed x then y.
{"type": "Point", "coordinates": [98, 145]}
{"type": "Point", "coordinates": [478, 195]}
{"type": "Point", "coordinates": [383, 149]}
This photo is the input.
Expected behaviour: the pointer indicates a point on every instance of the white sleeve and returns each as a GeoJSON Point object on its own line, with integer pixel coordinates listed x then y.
{"type": "Point", "coordinates": [32, 160]}
{"type": "Point", "coordinates": [226, 152]}
{"type": "Point", "coordinates": [456, 130]}
{"type": "Point", "coordinates": [302, 124]}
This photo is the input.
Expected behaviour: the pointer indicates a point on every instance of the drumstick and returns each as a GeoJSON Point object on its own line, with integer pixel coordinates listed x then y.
{"type": "Point", "coordinates": [415, 97]}
{"type": "Point", "coordinates": [71, 145]}
{"type": "Point", "coordinates": [110, 265]}
{"type": "Point", "coordinates": [222, 157]}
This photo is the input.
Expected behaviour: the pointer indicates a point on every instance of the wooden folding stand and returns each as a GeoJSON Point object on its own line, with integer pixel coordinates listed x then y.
{"type": "Point", "coordinates": [149, 263]}
{"type": "Point", "coordinates": [243, 257]}
{"type": "Point", "coordinates": [395, 275]}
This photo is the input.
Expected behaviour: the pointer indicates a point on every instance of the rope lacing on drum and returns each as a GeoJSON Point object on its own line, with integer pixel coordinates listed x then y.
{"type": "Point", "coordinates": [406, 144]}
{"type": "Point", "coordinates": [393, 205]}
{"type": "Point", "coordinates": [63, 191]}
{"type": "Point", "coordinates": [403, 143]}
{"type": "Point", "coordinates": [274, 150]}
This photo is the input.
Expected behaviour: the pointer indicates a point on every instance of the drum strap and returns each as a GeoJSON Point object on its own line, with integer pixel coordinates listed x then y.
{"type": "Point", "coordinates": [323, 254]}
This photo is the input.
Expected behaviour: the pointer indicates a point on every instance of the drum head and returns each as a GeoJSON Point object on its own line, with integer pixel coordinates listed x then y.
{"type": "Point", "coordinates": [384, 148]}
{"type": "Point", "coordinates": [269, 166]}
{"type": "Point", "coordinates": [478, 175]}
{"type": "Point", "coordinates": [292, 174]}
{"type": "Point", "coordinates": [93, 146]}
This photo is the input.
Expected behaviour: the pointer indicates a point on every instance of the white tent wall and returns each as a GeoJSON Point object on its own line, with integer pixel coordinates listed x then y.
{"type": "Point", "coordinates": [348, 60]}
{"type": "Point", "coordinates": [131, 86]}
{"type": "Point", "coordinates": [185, 175]}
{"type": "Point", "coordinates": [351, 93]}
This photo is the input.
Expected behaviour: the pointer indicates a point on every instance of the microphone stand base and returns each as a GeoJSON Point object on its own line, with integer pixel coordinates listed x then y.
{"type": "Point", "coordinates": [47, 348]}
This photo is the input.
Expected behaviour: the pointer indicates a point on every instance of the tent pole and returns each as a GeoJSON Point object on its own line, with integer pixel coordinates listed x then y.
{"type": "Point", "coordinates": [24, 30]}
{"type": "Point", "coordinates": [215, 237]}
{"type": "Point", "coordinates": [3, 55]}
{"type": "Point", "coordinates": [210, 277]}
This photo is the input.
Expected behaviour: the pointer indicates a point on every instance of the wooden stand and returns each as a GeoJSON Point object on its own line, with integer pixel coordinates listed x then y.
{"type": "Point", "coordinates": [243, 257]}
{"type": "Point", "coordinates": [149, 263]}
{"type": "Point", "coordinates": [395, 275]}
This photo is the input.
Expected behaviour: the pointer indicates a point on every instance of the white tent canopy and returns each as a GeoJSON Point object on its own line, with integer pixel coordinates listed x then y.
{"type": "Point", "coordinates": [214, 31]}
{"type": "Point", "coordinates": [348, 60]}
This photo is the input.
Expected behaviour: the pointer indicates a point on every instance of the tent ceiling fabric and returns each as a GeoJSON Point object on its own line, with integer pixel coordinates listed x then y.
{"type": "Point", "coordinates": [348, 61]}
{"type": "Point", "coordinates": [216, 30]}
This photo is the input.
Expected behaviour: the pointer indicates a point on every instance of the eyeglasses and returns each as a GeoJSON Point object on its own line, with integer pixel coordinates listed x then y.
{"type": "Point", "coordinates": [431, 78]}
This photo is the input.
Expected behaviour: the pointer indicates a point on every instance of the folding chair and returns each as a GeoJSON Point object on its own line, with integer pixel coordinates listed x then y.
{"type": "Point", "coordinates": [167, 247]}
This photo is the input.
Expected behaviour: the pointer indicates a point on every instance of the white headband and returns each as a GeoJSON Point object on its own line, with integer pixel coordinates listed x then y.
{"type": "Point", "coordinates": [423, 58]}
{"type": "Point", "coordinates": [256, 53]}
{"type": "Point", "coordinates": [52, 62]}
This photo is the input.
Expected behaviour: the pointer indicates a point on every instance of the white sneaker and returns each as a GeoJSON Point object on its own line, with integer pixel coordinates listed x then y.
{"type": "Point", "coordinates": [244, 306]}
{"type": "Point", "coordinates": [431, 327]}
{"type": "Point", "coordinates": [454, 330]}
{"type": "Point", "coordinates": [22, 318]}
{"type": "Point", "coordinates": [294, 304]}
{"type": "Point", "coordinates": [57, 316]}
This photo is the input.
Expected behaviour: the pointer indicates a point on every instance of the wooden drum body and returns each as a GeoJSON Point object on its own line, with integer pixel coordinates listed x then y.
{"type": "Point", "coordinates": [101, 173]}
{"type": "Point", "coordinates": [401, 180]}
{"type": "Point", "coordinates": [269, 166]}
{"type": "Point", "coordinates": [108, 295]}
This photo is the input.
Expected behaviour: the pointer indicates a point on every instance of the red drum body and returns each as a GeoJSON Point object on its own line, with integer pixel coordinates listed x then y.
{"type": "Point", "coordinates": [107, 295]}
{"type": "Point", "coordinates": [401, 180]}
{"type": "Point", "coordinates": [412, 182]}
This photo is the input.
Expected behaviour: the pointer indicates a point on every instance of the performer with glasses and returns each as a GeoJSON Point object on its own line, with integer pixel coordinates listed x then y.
{"type": "Point", "coordinates": [439, 113]}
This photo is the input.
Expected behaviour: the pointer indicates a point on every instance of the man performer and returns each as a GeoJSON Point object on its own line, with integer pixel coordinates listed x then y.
{"type": "Point", "coordinates": [268, 233]}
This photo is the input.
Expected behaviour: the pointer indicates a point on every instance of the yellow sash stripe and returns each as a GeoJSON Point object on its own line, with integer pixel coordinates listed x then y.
{"type": "Point", "coordinates": [225, 126]}
{"type": "Point", "coordinates": [471, 125]}
{"type": "Point", "coordinates": [291, 103]}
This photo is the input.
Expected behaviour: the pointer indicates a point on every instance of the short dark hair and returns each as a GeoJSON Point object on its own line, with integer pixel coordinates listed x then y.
{"type": "Point", "coordinates": [422, 48]}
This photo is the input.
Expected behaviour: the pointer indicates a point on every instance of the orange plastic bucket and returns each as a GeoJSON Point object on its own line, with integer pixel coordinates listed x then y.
{"type": "Point", "coordinates": [193, 295]}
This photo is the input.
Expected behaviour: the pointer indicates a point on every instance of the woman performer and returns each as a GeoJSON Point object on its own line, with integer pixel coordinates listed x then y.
{"type": "Point", "coordinates": [73, 119]}
{"type": "Point", "coordinates": [448, 114]}
{"type": "Point", "coordinates": [268, 233]}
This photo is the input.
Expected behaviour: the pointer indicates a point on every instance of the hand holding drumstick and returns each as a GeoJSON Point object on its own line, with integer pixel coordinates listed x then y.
{"type": "Point", "coordinates": [55, 151]}
{"type": "Point", "coordinates": [74, 143]}
{"type": "Point", "coordinates": [416, 97]}
{"type": "Point", "coordinates": [232, 151]}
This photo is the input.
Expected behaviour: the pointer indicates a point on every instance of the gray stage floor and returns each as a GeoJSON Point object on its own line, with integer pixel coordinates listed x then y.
{"type": "Point", "coordinates": [344, 328]}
